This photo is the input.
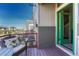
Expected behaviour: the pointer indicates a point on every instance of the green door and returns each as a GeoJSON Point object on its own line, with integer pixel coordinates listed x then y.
{"type": "Point", "coordinates": [65, 27]}
{"type": "Point", "coordinates": [60, 27]}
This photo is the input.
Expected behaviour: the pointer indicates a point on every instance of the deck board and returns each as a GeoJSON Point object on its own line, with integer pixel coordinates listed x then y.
{"type": "Point", "coordinates": [54, 51]}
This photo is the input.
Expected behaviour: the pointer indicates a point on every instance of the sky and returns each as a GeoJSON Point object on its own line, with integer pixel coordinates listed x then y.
{"type": "Point", "coordinates": [15, 14]}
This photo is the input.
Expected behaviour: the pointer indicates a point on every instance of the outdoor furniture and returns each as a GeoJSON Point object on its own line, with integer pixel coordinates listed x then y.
{"type": "Point", "coordinates": [13, 51]}
{"type": "Point", "coordinates": [6, 51]}
{"type": "Point", "coordinates": [19, 49]}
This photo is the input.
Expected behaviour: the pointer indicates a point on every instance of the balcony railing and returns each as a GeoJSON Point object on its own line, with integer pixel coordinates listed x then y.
{"type": "Point", "coordinates": [30, 37]}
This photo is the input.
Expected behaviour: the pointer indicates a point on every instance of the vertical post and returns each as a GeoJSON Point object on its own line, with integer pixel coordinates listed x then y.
{"type": "Point", "coordinates": [75, 18]}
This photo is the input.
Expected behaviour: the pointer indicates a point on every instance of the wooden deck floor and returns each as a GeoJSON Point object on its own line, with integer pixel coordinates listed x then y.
{"type": "Point", "coordinates": [54, 51]}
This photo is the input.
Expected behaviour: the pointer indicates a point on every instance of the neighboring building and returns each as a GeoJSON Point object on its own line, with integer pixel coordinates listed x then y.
{"type": "Point", "coordinates": [29, 25]}
{"type": "Point", "coordinates": [6, 30]}
{"type": "Point", "coordinates": [20, 31]}
{"type": "Point", "coordinates": [12, 30]}
{"type": "Point", "coordinates": [35, 16]}
{"type": "Point", "coordinates": [3, 31]}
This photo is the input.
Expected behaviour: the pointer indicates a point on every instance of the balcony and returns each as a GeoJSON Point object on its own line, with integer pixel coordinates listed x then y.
{"type": "Point", "coordinates": [17, 43]}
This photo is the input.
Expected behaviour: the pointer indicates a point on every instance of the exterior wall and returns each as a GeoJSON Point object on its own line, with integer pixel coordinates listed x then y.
{"type": "Point", "coordinates": [46, 25]}
{"type": "Point", "coordinates": [47, 15]}
{"type": "Point", "coordinates": [46, 37]}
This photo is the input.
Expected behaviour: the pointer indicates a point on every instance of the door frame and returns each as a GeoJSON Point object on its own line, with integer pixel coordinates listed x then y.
{"type": "Point", "coordinates": [61, 8]}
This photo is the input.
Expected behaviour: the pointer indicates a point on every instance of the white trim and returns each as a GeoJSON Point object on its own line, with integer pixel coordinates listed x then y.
{"type": "Point", "coordinates": [65, 50]}
{"type": "Point", "coordinates": [62, 6]}
{"type": "Point", "coordinates": [75, 17]}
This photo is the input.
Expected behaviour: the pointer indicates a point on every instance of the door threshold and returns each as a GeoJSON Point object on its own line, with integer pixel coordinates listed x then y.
{"type": "Point", "coordinates": [65, 50]}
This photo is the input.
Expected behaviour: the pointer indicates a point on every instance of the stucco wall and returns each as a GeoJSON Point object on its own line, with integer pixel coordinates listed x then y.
{"type": "Point", "coordinates": [46, 28]}
{"type": "Point", "coordinates": [47, 15]}
{"type": "Point", "coordinates": [46, 37]}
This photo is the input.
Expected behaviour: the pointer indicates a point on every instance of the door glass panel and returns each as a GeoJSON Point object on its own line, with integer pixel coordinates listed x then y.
{"type": "Point", "coordinates": [67, 18]}
{"type": "Point", "coordinates": [65, 27]}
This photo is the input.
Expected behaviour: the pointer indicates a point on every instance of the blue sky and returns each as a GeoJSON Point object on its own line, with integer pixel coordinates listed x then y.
{"type": "Point", "coordinates": [15, 14]}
